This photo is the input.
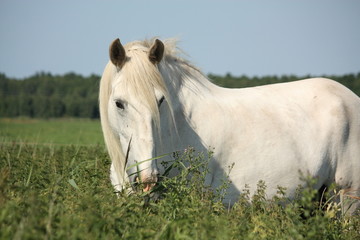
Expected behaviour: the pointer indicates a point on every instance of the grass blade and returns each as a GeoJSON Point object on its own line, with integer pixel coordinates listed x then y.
{"type": "Point", "coordinates": [73, 184]}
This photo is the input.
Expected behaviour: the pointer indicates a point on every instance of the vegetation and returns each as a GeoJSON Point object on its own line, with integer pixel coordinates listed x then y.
{"type": "Point", "coordinates": [51, 96]}
{"type": "Point", "coordinates": [46, 96]}
{"type": "Point", "coordinates": [51, 132]}
{"type": "Point", "coordinates": [63, 192]}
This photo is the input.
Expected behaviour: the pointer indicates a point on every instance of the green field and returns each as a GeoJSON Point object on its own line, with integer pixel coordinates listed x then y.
{"type": "Point", "coordinates": [56, 186]}
{"type": "Point", "coordinates": [51, 132]}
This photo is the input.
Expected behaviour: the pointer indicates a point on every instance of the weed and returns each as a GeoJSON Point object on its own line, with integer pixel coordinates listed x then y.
{"type": "Point", "coordinates": [64, 192]}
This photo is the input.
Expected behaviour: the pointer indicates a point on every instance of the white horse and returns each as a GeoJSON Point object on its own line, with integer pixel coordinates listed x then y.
{"type": "Point", "coordinates": [152, 102]}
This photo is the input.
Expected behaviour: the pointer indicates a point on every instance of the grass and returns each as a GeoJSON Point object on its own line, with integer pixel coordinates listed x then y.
{"type": "Point", "coordinates": [53, 131]}
{"type": "Point", "coordinates": [64, 192]}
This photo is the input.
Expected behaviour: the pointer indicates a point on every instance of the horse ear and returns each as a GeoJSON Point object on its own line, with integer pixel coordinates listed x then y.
{"type": "Point", "coordinates": [117, 53]}
{"type": "Point", "coordinates": [156, 51]}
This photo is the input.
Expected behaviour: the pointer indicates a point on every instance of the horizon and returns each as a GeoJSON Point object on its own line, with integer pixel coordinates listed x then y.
{"type": "Point", "coordinates": [300, 77]}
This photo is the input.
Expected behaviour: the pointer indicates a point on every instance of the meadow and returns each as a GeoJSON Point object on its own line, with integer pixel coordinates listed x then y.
{"type": "Point", "coordinates": [54, 184]}
{"type": "Point", "coordinates": [65, 131]}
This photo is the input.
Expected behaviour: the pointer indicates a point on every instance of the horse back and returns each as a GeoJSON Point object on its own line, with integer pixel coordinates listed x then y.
{"type": "Point", "coordinates": [312, 125]}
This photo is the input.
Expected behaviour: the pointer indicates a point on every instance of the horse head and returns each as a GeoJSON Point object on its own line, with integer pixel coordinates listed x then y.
{"type": "Point", "coordinates": [136, 94]}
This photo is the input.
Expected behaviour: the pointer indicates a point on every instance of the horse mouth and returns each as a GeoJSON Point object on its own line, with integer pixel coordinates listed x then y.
{"type": "Point", "coordinates": [148, 187]}
{"type": "Point", "coordinates": [147, 182]}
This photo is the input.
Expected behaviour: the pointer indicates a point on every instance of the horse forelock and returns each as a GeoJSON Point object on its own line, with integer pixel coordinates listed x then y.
{"type": "Point", "coordinates": [172, 51]}
{"type": "Point", "coordinates": [140, 78]}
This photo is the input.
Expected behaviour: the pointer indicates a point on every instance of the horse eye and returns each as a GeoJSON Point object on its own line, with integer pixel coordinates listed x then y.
{"type": "Point", "coordinates": [161, 100]}
{"type": "Point", "coordinates": [119, 105]}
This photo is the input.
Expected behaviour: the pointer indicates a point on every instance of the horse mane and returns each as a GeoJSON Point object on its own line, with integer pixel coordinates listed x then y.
{"type": "Point", "coordinates": [112, 142]}
{"type": "Point", "coordinates": [172, 52]}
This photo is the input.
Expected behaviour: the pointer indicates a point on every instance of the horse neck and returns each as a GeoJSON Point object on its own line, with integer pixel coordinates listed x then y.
{"type": "Point", "coordinates": [189, 85]}
{"type": "Point", "coordinates": [191, 93]}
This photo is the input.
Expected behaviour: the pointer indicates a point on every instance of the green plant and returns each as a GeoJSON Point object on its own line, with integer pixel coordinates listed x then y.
{"type": "Point", "coordinates": [64, 192]}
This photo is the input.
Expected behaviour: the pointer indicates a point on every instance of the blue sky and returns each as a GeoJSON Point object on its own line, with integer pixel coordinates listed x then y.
{"type": "Point", "coordinates": [254, 37]}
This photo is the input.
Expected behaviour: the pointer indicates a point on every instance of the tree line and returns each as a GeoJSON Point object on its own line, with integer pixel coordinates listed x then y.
{"type": "Point", "coordinates": [44, 95]}
{"type": "Point", "coordinates": [50, 96]}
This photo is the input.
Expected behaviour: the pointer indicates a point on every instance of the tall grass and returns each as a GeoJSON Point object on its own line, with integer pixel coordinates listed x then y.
{"type": "Point", "coordinates": [64, 192]}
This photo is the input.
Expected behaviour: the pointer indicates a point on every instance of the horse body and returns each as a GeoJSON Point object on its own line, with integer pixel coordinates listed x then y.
{"type": "Point", "coordinates": [272, 133]}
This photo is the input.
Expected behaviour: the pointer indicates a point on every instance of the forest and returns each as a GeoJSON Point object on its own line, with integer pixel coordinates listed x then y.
{"type": "Point", "coordinates": [50, 96]}
{"type": "Point", "coordinates": [44, 95]}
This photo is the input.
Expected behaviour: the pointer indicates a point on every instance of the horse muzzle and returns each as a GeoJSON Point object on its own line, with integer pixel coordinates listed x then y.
{"type": "Point", "coordinates": [147, 182]}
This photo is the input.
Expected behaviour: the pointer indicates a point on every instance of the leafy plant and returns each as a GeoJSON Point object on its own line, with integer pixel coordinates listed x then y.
{"type": "Point", "coordinates": [65, 193]}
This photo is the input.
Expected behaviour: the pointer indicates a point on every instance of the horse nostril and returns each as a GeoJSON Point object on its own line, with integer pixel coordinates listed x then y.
{"type": "Point", "coordinates": [136, 181]}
